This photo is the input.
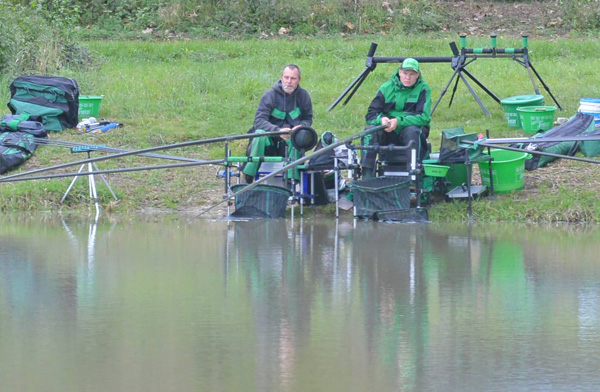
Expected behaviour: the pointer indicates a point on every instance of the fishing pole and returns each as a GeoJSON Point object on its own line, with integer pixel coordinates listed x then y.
{"type": "Point", "coordinates": [534, 152]}
{"type": "Point", "coordinates": [150, 149]}
{"type": "Point", "coordinates": [110, 171]}
{"type": "Point", "coordinates": [542, 139]}
{"type": "Point", "coordinates": [291, 166]}
{"type": "Point", "coordinates": [96, 147]}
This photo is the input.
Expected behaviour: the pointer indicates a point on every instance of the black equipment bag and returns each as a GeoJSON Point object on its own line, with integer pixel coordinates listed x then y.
{"type": "Point", "coordinates": [19, 139]}
{"type": "Point", "coordinates": [580, 124]}
{"type": "Point", "coordinates": [54, 98]}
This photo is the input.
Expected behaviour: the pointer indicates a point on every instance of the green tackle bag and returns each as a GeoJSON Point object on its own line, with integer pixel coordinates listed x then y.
{"type": "Point", "coordinates": [54, 98]}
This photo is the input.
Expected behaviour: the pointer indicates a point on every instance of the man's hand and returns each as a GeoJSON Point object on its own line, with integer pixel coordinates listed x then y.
{"type": "Point", "coordinates": [391, 123]}
{"type": "Point", "coordinates": [285, 136]}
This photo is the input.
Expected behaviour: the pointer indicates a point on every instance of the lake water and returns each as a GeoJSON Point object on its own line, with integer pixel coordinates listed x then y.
{"type": "Point", "coordinates": [157, 304]}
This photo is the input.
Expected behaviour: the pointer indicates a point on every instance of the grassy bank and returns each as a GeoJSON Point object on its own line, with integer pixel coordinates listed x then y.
{"type": "Point", "coordinates": [168, 92]}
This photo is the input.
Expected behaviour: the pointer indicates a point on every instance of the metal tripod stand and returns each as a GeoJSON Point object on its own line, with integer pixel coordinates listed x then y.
{"type": "Point", "coordinates": [91, 167]}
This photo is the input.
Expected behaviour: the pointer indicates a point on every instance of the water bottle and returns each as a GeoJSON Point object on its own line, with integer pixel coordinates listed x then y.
{"type": "Point", "coordinates": [221, 174]}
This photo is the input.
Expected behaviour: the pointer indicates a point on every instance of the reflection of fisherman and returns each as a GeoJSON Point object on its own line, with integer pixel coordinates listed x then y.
{"type": "Point", "coordinates": [284, 107]}
{"type": "Point", "coordinates": [404, 104]}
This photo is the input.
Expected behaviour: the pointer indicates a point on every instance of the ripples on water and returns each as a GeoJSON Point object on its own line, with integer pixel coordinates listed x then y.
{"type": "Point", "coordinates": [157, 304]}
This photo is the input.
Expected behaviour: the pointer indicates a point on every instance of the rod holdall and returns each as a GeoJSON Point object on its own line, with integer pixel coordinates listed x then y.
{"type": "Point", "coordinates": [18, 140]}
{"type": "Point", "coordinates": [15, 149]}
{"type": "Point", "coordinates": [23, 123]}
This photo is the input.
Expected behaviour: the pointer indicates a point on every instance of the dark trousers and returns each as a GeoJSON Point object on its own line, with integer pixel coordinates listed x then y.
{"type": "Point", "coordinates": [383, 138]}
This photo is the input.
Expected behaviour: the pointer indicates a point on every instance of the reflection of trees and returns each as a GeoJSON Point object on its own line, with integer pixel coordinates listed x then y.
{"type": "Point", "coordinates": [38, 297]}
{"type": "Point", "coordinates": [271, 258]}
{"type": "Point", "coordinates": [389, 259]}
{"type": "Point", "coordinates": [372, 306]}
{"type": "Point", "coordinates": [33, 283]}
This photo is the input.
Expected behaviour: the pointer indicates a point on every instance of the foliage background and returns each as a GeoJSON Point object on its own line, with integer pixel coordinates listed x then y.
{"type": "Point", "coordinates": [45, 35]}
{"type": "Point", "coordinates": [167, 90]}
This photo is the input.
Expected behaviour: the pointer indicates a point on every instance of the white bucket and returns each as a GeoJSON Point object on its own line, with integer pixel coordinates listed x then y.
{"type": "Point", "coordinates": [591, 106]}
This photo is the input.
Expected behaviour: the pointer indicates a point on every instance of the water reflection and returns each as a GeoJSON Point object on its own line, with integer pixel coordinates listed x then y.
{"type": "Point", "coordinates": [156, 304]}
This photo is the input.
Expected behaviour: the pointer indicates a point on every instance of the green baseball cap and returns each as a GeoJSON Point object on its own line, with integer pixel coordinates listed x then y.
{"type": "Point", "coordinates": [410, 63]}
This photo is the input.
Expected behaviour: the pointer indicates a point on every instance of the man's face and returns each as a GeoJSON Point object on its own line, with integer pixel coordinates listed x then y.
{"type": "Point", "coordinates": [290, 79]}
{"type": "Point", "coordinates": [408, 77]}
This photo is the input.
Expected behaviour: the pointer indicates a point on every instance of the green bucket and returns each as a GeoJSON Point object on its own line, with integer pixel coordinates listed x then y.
{"type": "Point", "coordinates": [89, 106]}
{"type": "Point", "coordinates": [508, 170]}
{"type": "Point", "coordinates": [535, 118]}
{"type": "Point", "coordinates": [511, 104]}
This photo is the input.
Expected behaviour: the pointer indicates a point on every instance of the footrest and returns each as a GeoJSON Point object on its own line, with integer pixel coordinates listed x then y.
{"type": "Point", "coordinates": [461, 192]}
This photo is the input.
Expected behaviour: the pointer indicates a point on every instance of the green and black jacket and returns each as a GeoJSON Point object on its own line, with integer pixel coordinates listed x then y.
{"type": "Point", "coordinates": [410, 105]}
{"type": "Point", "coordinates": [277, 109]}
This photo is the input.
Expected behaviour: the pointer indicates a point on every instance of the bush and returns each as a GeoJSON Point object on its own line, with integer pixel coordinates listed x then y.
{"type": "Point", "coordinates": [38, 38]}
{"type": "Point", "coordinates": [581, 15]}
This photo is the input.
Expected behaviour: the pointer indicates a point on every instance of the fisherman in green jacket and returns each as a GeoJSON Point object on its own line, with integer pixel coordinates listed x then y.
{"type": "Point", "coordinates": [404, 104]}
{"type": "Point", "coordinates": [284, 107]}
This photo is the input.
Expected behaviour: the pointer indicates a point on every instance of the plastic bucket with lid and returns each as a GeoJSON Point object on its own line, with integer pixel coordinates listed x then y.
{"type": "Point", "coordinates": [591, 106]}
{"type": "Point", "coordinates": [508, 170]}
{"type": "Point", "coordinates": [535, 118]}
{"type": "Point", "coordinates": [511, 104]}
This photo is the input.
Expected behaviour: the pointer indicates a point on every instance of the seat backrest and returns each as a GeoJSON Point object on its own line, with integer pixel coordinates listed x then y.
{"type": "Point", "coordinates": [454, 150]}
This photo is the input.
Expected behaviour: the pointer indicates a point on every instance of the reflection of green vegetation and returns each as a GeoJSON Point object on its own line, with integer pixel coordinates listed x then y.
{"type": "Point", "coordinates": [260, 306]}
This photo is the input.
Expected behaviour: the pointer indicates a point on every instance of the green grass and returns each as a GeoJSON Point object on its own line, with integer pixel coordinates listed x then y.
{"type": "Point", "coordinates": [168, 92]}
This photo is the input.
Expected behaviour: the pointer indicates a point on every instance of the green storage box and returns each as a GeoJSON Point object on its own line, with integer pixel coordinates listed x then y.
{"type": "Point", "coordinates": [89, 106]}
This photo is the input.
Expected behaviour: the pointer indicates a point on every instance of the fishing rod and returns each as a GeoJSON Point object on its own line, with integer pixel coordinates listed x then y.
{"type": "Point", "coordinates": [542, 139]}
{"type": "Point", "coordinates": [534, 152]}
{"type": "Point", "coordinates": [291, 166]}
{"type": "Point", "coordinates": [150, 149]}
{"type": "Point", "coordinates": [110, 171]}
{"type": "Point", "coordinates": [103, 148]}
{"type": "Point", "coordinates": [95, 147]}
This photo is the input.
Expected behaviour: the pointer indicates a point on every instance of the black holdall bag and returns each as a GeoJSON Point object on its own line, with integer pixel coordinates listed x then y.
{"type": "Point", "coordinates": [19, 138]}
{"type": "Point", "coordinates": [54, 98]}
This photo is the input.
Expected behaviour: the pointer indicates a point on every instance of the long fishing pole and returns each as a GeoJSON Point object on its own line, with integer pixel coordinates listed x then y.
{"type": "Point", "coordinates": [534, 152]}
{"type": "Point", "coordinates": [542, 139]}
{"type": "Point", "coordinates": [150, 149]}
{"type": "Point", "coordinates": [94, 147]}
{"type": "Point", "coordinates": [291, 166]}
{"type": "Point", "coordinates": [110, 171]}
{"type": "Point", "coordinates": [101, 148]}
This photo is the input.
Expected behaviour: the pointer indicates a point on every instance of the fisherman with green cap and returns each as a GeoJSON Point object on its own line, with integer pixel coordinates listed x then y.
{"type": "Point", "coordinates": [403, 103]}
